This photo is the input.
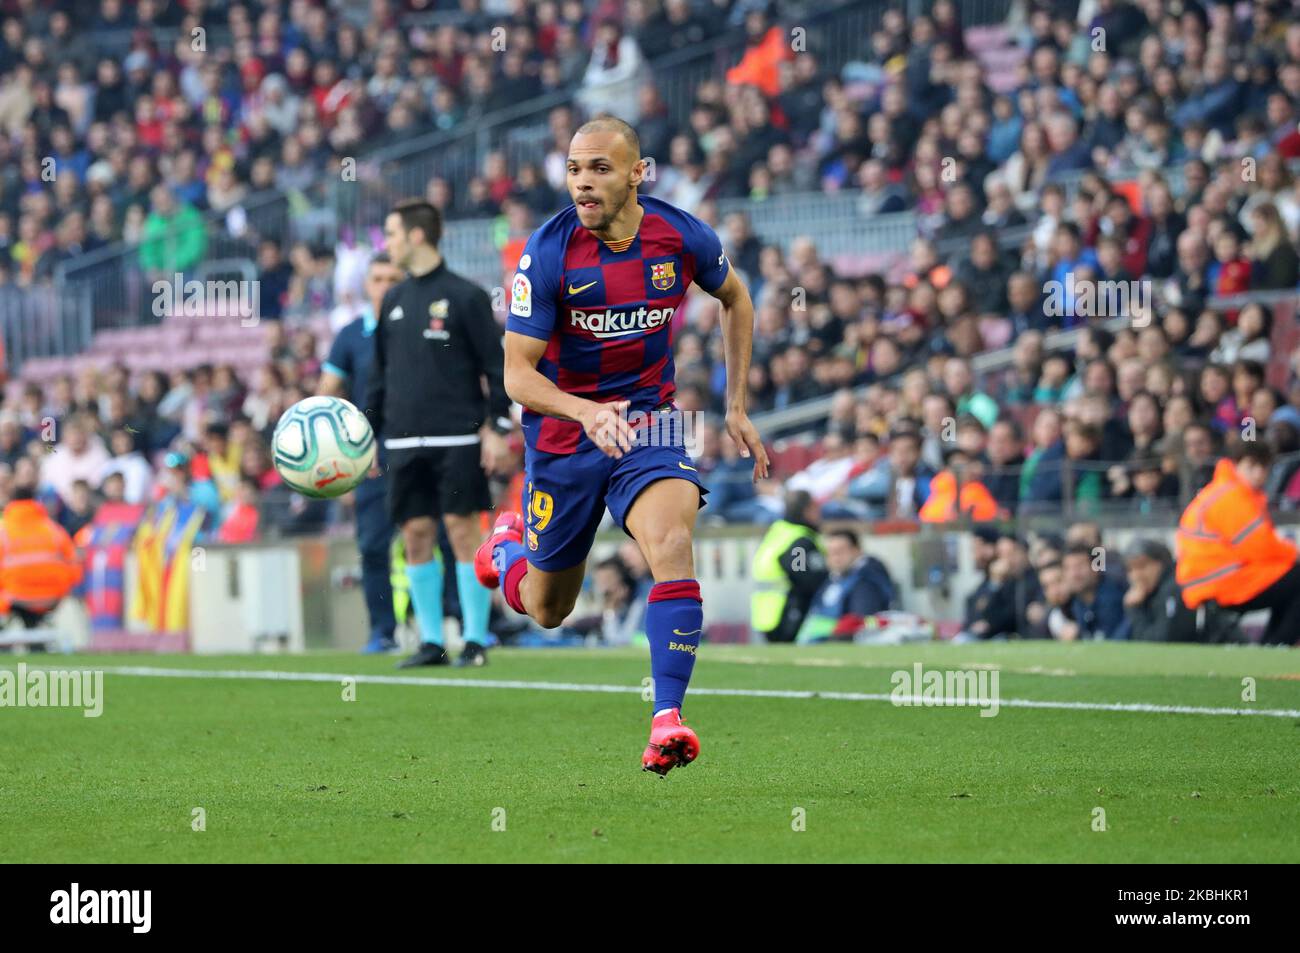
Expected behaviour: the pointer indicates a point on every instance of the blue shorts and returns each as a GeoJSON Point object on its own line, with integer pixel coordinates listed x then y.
{"type": "Point", "coordinates": [565, 495]}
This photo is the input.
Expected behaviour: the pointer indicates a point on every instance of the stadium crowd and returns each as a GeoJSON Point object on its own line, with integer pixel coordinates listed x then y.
{"type": "Point", "coordinates": [1148, 144]}
{"type": "Point", "coordinates": [129, 121]}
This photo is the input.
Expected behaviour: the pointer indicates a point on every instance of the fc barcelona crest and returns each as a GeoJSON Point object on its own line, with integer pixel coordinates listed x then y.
{"type": "Point", "coordinates": [663, 275]}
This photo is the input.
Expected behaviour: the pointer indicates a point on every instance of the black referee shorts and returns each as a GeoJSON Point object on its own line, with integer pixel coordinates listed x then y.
{"type": "Point", "coordinates": [433, 481]}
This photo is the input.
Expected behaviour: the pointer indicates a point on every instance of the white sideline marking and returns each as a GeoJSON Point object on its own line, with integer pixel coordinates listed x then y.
{"type": "Point", "coordinates": [915, 700]}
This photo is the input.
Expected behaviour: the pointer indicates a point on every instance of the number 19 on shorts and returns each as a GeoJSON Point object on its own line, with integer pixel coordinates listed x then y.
{"type": "Point", "coordinates": [541, 506]}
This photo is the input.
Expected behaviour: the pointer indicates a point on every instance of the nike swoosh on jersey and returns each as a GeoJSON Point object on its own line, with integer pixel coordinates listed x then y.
{"type": "Point", "coordinates": [574, 291]}
{"type": "Point", "coordinates": [685, 467]}
{"type": "Point", "coordinates": [684, 634]}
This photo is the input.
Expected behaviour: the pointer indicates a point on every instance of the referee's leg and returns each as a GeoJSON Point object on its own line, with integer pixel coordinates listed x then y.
{"type": "Point", "coordinates": [463, 499]}
{"type": "Point", "coordinates": [374, 540]}
{"type": "Point", "coordinates": [413, 505]}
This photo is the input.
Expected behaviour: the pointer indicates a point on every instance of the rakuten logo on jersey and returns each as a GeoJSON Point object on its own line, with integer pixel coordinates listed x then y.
{"type": "Point", "coordinates": [617, 324]}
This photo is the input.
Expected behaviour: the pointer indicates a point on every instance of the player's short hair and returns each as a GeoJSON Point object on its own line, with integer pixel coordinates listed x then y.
{"type": "Point", "coordinates": [417, 213]}
{"type": "Point", "coordinates": [381, 258]}
{"type": "Point", "coordinates": [613, 124]}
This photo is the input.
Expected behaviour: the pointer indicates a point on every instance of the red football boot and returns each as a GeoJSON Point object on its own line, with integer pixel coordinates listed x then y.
{"type": "Point", "coordinates": [509, 526]}
{"type": "Point", "coordinates": [672, 744]}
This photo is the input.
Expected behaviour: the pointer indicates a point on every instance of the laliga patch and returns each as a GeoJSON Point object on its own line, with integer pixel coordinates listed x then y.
{"type": "Point", "coordinates": [521, 297]}
{"type": "Point", "coordinates": [437, 321]}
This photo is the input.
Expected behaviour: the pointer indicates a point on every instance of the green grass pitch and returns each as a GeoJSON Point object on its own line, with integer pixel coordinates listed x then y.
{"type": "Point", "coordinates": [290, 771]}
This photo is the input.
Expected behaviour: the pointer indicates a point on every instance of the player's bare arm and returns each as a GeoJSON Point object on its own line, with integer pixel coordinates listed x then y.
{"type": "Point", "coordinates": [330, 385]}
{"type": "Point", "coordinates": [738, 341]}
{"type": "Point", "coordinates": [605, 424]}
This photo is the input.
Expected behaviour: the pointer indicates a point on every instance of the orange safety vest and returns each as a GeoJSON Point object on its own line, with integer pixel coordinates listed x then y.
{"type": "Point", "coordinates": [1227, 550]}
{"type": "Point", "coordinates": [38, 565]}
{"type": "Point", "coordinates": [941, 505]}
{"type": "Point", "coordinates": [761, 64]}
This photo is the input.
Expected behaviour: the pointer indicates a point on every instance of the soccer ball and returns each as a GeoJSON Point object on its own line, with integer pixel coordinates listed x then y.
{"type": "Point", "coordinates": [323, 447]}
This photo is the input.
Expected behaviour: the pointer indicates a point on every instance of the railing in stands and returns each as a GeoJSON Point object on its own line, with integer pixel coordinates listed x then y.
{"type": "Point", "coordinates": [802, 416]}
{"type": "Point", "coordinates": [118, 293]}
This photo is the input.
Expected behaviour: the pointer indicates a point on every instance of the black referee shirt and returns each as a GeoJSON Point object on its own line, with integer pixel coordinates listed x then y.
{"type": "Point", "coordinates": [435, 342]}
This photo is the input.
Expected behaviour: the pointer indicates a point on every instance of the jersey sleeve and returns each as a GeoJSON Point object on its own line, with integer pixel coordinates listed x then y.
{"type": "Point", "coordinates": [339, 362]}
{"type": "Point", "coordinates": [534, 290]}
{"type": "Point", "coordinates": [376, 383]}
{"type": "Point", "coordinates": [701, 242]}
{"type": "Point", "coordinates": [485, 341]}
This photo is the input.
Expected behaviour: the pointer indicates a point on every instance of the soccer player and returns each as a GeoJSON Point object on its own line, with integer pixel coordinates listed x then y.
{"type": "Point", "coordinates": [436, 341]}
{"type": "Point", "coordinates": [589, 353]}
{"type": "Point", "coordinates": [346, 374]}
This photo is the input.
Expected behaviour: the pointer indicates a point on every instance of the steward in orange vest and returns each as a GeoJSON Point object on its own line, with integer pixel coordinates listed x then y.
{"type": "Point", "coordinates": [1229, 553]}
{"type": "Point", "coordinates": [38, 564]}
{"type": "Point", "coordinates": [941, 506]}
{"type": "Point", "coordinates": [761, 64]}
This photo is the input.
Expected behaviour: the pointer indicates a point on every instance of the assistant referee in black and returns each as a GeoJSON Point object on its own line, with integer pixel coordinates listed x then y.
{"type": "Point", "coordinates": [437, 394]}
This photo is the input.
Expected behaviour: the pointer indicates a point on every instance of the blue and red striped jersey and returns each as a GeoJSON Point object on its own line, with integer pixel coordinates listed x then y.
{"type": "Point", "coordinates": [607, 315]}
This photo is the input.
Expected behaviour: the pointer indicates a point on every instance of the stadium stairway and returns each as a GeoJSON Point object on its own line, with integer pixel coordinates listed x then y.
{"type": "Point", "coordinates": [998, 54]}
{"type": "Point", "coordinates": [178, 343]}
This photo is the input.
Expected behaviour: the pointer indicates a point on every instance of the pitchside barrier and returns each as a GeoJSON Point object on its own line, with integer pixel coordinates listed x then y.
{"type": "Point", "coordinates": [305, 593]}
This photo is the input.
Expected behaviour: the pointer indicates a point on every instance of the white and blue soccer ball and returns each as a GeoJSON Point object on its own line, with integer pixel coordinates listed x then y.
{"type": "Point", "coordinates": [323, 447]}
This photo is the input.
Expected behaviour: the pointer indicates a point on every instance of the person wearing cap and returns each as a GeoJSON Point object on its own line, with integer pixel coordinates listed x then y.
{"type": "Point", "coordinates": [1228, 552]}
{"type": "Point", "coordinates": [1154, 607]}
